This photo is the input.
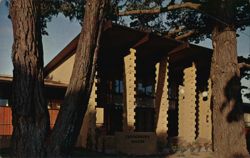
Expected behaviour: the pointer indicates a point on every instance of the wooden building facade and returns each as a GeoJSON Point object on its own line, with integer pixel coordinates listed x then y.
{"type": "Point", "coordinates": [149, 91]}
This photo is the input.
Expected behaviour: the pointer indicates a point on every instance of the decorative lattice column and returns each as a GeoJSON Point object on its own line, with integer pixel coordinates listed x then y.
{"type": "Point", "coordinates": [187, 106]}
{"type": "Point", "coordinates": [157, 67]}
{"type": "Point", "coordinates": [92, 113]}
{"type": "Point", "coordinates": [205, 114]}
{"type": "Point", "coordinates": [161, 100]}
{"type": "Point", "coordinates": [130, 91]}
{"type": "Point", "coordinates": [87, 132]}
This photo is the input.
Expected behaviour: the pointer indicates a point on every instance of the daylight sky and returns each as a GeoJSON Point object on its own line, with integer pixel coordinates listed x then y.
{"type": "Point", "coordinates": [62, 31]}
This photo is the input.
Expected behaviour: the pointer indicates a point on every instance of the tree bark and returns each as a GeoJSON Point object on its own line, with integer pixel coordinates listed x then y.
{"type": "Point", "coordinates": [72, 111]}
{"type": "Point", "coordinates": [30, 116]}
{"type": "Point", "coordinates": [228, 125]}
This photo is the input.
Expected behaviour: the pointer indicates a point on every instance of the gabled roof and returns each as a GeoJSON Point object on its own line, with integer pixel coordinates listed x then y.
{"type": "Point", "coordinates": [5, 79]}
{"type": "Point", "coordinates": [62, 56]}
{"type": "Point", "coordinates": [116, 41]}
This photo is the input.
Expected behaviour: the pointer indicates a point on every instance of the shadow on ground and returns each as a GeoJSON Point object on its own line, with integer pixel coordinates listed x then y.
{"type": "Point", "coordinates": [80, 153]}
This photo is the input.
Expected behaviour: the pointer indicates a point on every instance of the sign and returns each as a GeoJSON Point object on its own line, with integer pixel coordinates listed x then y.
{"type": "Point", "coordinates": [136, 143]}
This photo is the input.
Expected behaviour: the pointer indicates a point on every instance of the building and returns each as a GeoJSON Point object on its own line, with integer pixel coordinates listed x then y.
{"type": "Point", "coordinates": [150, 92]}
{"type": "Point", "coordinates": [54, 92]}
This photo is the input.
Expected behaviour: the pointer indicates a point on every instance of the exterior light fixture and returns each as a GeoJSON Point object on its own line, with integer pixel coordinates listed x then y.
{"type": "Point", "coordinates": [204, 94]}
{"type": "Point", "coordinates": [182, 91]}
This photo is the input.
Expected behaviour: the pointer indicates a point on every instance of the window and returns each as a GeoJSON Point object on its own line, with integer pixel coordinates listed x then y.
{"type": "Point", "coordinates": [144, 90]}
{"type": "Point", "coordinates": [4, 102]}
{"type": "Point", "coordinates": [118, 86]}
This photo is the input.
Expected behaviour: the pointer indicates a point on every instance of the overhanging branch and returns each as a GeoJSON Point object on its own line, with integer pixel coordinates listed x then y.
{"type": "Point", "coordinates": [185, 35]}
{"type": "Point", "coordinates": [136, 12]}
{"type": "Point", "coordinates": [188, 5]}
{"type": "Point", "coordinates": [243, 22]}
{"type": "Point", "coordinates": [174, 31]}
{"type": "Point", "coordinates": [244, 66]}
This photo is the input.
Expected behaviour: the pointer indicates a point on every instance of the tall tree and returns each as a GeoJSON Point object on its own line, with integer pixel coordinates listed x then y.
{"type": "Point", "coordinates": [70, 117]}
{"type": "Point", "coordinates": [29, 109]}
{"type": "Point", "coordinates": [225, 75]}
{"type": "Point", "coordinates": [228, 124]}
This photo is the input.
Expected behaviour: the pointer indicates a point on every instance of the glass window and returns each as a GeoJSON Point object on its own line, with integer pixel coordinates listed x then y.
{"type": "Point", "coordinates": [4, 102]}
{"type": "Point", "coordinates": [118, 86]}
{"type": "Point", "coordinates": [144, 90]}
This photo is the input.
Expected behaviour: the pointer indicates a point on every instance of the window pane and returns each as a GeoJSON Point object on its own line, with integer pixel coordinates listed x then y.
{"type": "Point", "coordinates": [4, 102]}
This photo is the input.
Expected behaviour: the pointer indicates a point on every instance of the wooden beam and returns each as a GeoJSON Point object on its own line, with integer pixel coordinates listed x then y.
{"type": "Point", "coordinates": [143, 40]}
{"type": "Point", "coordinates": [129, 91]}
{"type": "Point", "coordinates": [161, 102]}
{"type": "Point", "coordinates": [178, 49]}
{"type": "Point", "coordinates": [108, 24]}
{"type": "Point", "coordinates": [187, 106]}
{"type": "Point", "coordinates": [205, 116]}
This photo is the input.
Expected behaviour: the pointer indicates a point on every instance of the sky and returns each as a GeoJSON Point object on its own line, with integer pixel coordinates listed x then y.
{"type": "Point", "coordinates": [62, 31]}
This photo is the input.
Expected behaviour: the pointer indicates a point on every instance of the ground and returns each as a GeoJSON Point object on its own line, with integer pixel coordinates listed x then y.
{"type": "Point", "coordinates": [88, 154]}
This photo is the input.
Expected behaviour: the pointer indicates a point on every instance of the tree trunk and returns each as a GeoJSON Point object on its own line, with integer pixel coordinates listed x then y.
{"type": "Point", "coordinates": [30, 116]}
{"type": "Point", "coordinates": [70, 117]}
{"type": "Point", "coordinates": [228, 126]}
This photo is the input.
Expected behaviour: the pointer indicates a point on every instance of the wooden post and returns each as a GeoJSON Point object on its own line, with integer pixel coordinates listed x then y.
{"type": "Point", "coordinates": [161, 101]}
{"type": "Point", "coordinates": [187, 105]}
{"type": "Point", "coordinates": [205, 122]}
{"type": "Point", "coordinates": [130, 92]}
{"type": "Point", "coordinates": [157, 67]}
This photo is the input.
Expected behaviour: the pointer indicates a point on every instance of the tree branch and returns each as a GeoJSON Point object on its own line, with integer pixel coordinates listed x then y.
{"type": "Point", "coordinates": [185, 35]}
{"type": "Point", "coordinates": [243, 22]}
{"type": "Point", "coordinates": [244, 66]}
{"type": "Point", "coordinates": [174, 31]}
{"type": "Point", "coordinates": [189, 5]}
{"type": "Point", "coordinates": [136, 12]}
